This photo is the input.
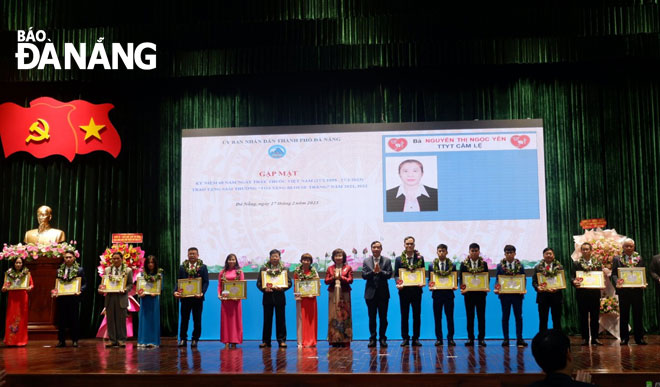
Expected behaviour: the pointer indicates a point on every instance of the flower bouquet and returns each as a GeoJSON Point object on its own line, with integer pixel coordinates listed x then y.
{"type": "Point", "coordinates": [609, 305]}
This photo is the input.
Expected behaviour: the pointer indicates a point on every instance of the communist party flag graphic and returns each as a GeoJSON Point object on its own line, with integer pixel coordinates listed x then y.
{"type": "Point", "coordinates": [49, 127]}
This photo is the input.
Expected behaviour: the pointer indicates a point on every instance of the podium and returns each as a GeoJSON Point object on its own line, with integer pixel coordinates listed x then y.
{"type": "Point", "coordinates": [42, 313]}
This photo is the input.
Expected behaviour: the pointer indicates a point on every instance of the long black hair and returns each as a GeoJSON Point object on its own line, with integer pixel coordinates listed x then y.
{"type": "Point", "coordinates": [151, 258]}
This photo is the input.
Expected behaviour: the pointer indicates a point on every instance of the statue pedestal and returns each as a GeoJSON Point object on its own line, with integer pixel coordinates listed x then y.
{"type": "Point", "coordinates": [41, 322]}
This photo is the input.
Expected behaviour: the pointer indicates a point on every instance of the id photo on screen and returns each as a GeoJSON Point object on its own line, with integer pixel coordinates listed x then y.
{"type": "Point", "coordinates": [411, 184]}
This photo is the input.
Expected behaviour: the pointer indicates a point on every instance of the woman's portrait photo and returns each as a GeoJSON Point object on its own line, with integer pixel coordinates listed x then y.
{"type": "Point", "coordinates": [411, 192]}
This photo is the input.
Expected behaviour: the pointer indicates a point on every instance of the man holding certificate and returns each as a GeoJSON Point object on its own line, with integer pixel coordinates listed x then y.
{"type": "Point", "coordinates": [273, 281]}
{"type": "Point", "coordinates": [443, 270]}
{"type": "Point", "coordinates": [410, 295]}
{"type": "Point", "coordinates": [474, 292]}
{"type": "Point", "coordinates": [68, 305]}
{"type": "Point", "coordinates": [629, 296]}
{"type": "Point", "coordinates": [117, 282]}
{"type": "Point", "coordinates": [192, 268]}
{"type": "Point", "coordinates": [510, 266]}
{"type": "Point", "coordinates": [588, 299]}
{"type": "Point", "coordinates": [549, 298]}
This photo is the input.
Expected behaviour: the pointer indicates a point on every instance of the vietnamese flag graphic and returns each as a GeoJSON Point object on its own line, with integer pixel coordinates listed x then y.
{"type": "Point", "coordinates": [39, 130]}
{"type": "Point", "coordinates": [90, 124]}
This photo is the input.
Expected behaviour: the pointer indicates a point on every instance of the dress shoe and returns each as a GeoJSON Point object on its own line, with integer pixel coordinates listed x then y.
{"type": "Point", "coordinates": [282, 344]}
{"type": "Point", "coordinates": [482, 343]}
{"type": "Point", "coordinates": [182, 343]}
{"type": "Point", "coordinates": [469, 343]}
{"type": "Point", "coordinates": [372, 343]}
{"type": "Point", "coordinates": [521, 343]}
{"type": "Point", "coordinates": [75, 344]}
{"type": "Point", "coordinates": [193, 344]}
{"type": "Point", "coordinates": [109, 344]}
{"type": "Point", "coordinates": [383, 343]}
{"type": "Point", "coordinates": [416, 343]}
{"type": "Point", "coordinates": [122, 344]}
{"type": "Point", "coordinates": [641, 342]}
{"type": "Point", "coordinates": [438, 343]}
{"type": "Point", "coordinates": [60, 344]}
{"type": "Point", "coordinates": [596, 342]}
{"type": "Point", "coordinates": [264, 345]}
{"type": "Point", "coordinates": [505, 342]}
{"type": "Point", "coordinates": [405, 343]}
{"type": "Point", "coordinates": [451, 343]}
{"type": "Point", "coordinates": [585, 342]}
{"type": "Point", "coordinates": [623, 342]}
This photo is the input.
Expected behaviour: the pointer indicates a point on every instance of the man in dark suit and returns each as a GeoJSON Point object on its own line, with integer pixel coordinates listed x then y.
{"type": "Point", "coordinates": [442, 298]}
{"type": "Point", "coordinates": [409, 296]}
{"type": "Point", "coordinates": [548, 300]}
{"type": "Point", "coordinates": [411, 195]}
{"type": "Point", "coordinates": [629, 296]}
{"type": "Point", "coordinates": [68, 307]}
{"type": "Point", "coordinates": [655, 274]}
{"type": "Point", "coordinates": [474, 300]}
{"type": "Point", "coordinates": [273, 298]}
{"type": "Point", "coordinates": [193, 267]}
{"type": "Point", "coordinates": [510, 266]}
{"type": "Point", "coordinates": [376, 270]}
{"type": "Point", "coordinates": [588, 300]}
{"type": "Point", "coordinates": [552, 351]}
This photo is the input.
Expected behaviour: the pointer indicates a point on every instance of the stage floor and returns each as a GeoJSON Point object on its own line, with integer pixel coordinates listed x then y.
{"type": "Point", "coordinates": [492, 365]}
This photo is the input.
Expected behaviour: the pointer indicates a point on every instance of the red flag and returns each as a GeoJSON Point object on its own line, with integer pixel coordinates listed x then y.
{"type": "Point", "coordinates": [39, 130]}
{"type": "Point", "coordinates": [90, 123]}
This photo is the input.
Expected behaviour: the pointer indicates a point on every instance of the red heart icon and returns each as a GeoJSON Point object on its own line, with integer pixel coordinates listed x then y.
{"type": "Point", "coordinates": [520, 141]}
{"type": "Point", "coordinates": [397, 144]}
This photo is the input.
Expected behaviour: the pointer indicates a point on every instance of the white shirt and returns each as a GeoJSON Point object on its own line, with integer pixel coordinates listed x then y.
{"type": "Point", "coordinates": [411, 204]}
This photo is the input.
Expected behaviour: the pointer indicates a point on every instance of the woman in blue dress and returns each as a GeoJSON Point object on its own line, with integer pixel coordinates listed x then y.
{"type": "Point", "coordinates": [149, 329]}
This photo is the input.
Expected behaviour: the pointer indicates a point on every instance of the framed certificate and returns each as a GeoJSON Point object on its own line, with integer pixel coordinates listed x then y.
{"type": "Point", "coordinates": [149, 287]}
{"type": "Point", "coordinates": [444, 282]}
{"type": "Point", "coordinates": [557, 282]}
{"type": "Point", "coordinates": [309, 288]}
{"type": "Point", "coordinates": [416, 277]}
{"type": "Point", "coordinates": [279, 281]}
{"type": "Point", "coordinates": [236, 290]}
{"type": "Point", "coordinates": [20, 283]}
{"type": "Point", "coordinates": [511, 284]}
{"type": "Point", "coordinates": [591, 279]}
{"type": "Point", "coordinates": [113, 286]}
{"type": "Point", "coordinates": [190, 287]}
{"type": "Point", "coordinates": [476, 282]}
{"type": "Point", "coordinates": [67, 288]}
{"type": "Point", "coordinates": [633, 277]}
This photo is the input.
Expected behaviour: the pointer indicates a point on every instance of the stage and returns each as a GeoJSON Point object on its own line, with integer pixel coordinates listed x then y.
{"type": "Point", "coordinates": [211, 364]}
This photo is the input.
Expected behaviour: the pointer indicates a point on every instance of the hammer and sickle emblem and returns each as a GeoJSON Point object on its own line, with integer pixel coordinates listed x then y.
{"type": "Point", "coordinates": [42, 133]}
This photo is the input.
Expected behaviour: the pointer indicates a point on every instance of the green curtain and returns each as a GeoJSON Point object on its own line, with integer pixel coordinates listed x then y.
{"type": "Point", "coordinates": [589, 70]}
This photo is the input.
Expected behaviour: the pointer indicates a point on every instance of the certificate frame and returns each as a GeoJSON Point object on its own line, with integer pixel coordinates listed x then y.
{"type": "Point", "coordinates": [634, 277]}
{"type": "Point", "coordinates": [113, 286]}
{"type": "Point", "coordinates": [512, 284]}
{"type": "Point", "coordinates": [591, 279]}
{"type": "Point", "coordinates": [476, 282]}
{"type": "Point", "coordinates": [446, 282]}
{"type": "Point", "coordinates": [280, 281]}
{"type": "Point", "coordinates": [556, 282]}
{"type": "Point", "coordinates": [19, 283]}
{"type": "Point", "coordinates": [67, 288]}
{"type": "Point", "coordinates": [237, 289]}
{"type": "Point", "coordinates": [190, 287]}
{"type": "Point", "coordinates": [416, 277]}
{"type": "Point", "coordinates": [152, 288]}
{"type": "Point", "coordinates": [307, 288]}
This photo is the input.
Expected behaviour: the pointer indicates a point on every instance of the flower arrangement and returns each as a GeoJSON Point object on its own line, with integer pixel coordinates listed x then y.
{"type": "Point", "coordinates": [606, 245]}
{"type": "Point", "coordinates": [33, 251]}
{"type": "Point", "coordinates": [609, 305]}
{"type": "Point", "coordinates": [133, 257]}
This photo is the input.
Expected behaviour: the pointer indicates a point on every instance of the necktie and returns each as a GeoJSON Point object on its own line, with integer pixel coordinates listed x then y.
{"type": "Point", "coordinates": [66, 273]}
{"type": "Point", "coordinates": [442, 266]}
